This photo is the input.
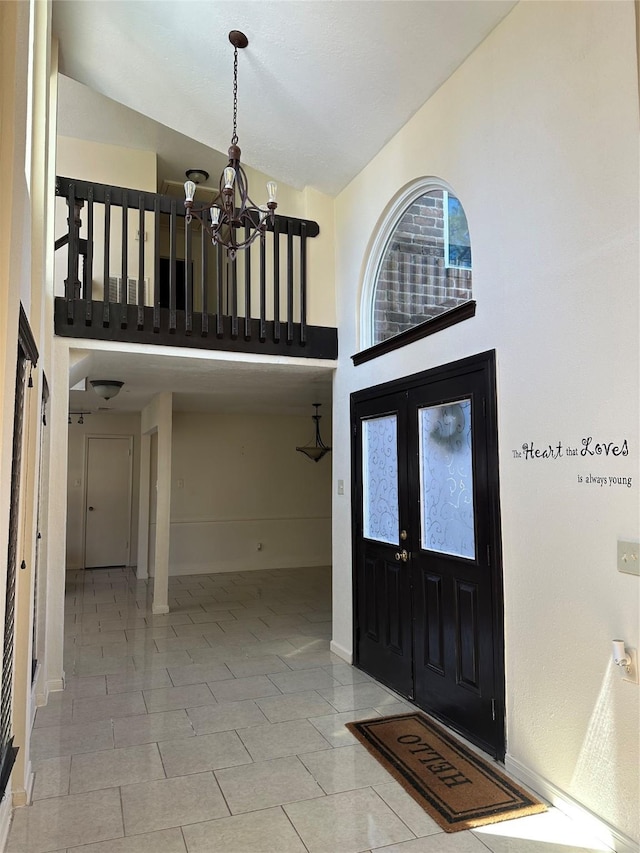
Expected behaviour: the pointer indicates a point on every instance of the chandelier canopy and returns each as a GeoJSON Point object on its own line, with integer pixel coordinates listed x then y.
{"type": "Point", "coordinates": [233, 220]}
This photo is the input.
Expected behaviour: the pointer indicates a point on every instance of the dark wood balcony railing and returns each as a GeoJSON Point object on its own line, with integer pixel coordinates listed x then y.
{"type": "Point", "coordinates": [176, 288]}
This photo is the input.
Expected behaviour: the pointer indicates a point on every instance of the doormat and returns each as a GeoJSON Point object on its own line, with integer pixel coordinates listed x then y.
{"type": "Point", "coordinates": [454, 785]}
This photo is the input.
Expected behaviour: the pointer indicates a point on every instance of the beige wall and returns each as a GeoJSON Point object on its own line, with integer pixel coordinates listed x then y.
{"type": "Point", "coordinates": [538, 135]}
{"type": "Point", "coordinates": [24, 100]}
{"type": "Point", "coordinates": [96, 425]}
{"type": "Point", "coordinates": [127, 167]}
{"type": "Point", "coordinates": [237, 481]}
{"type": "Point", "coordinates": [116, 166]}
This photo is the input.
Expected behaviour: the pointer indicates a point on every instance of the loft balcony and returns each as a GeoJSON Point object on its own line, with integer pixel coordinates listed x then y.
{"type": "Point", "coordinates": [136, 273]}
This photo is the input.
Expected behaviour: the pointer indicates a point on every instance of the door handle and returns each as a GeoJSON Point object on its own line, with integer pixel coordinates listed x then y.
{"type": "Point", "coordinates": [90, 509]}
{"type": "Point", "coordinates": [402, 556]}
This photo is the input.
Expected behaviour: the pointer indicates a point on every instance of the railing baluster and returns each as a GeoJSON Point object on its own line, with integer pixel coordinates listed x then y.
{"type": "Point", "coordinates": [141, 238]}
{"type": "Point", "coordinates": [289, 282]}
{"type": "Point", "coordinates": [106, 312]}
{"type": "Point", "coordinates": [188, 280]}
{"type": "Point", "coordinates": [219, 323]}
{"type": "Point", "coordinates": [72, 282]}
{"type": "Point", "coordinates": [276, 281]}
{"type": "Point", "coordinates": [247, 288]}
{"type": "Point", "coordinates": [124, 293]}
{"type": "Point", "coordinates": [303, 283]}
{"type": "Point", "coordinates": [156, 265]}
{"type": "Point", "coordinates": [203, 283]}
{"type": "Point", "coordinates": [173, 236]}
{"type": "Point", "coordinates": [230, 305]}
{"type": "Point", "coordinates": [234, 298]}
{"type": "Point", "coordinates": [263, 288]}
{"type": "Point", "coordinates": [88, 267]}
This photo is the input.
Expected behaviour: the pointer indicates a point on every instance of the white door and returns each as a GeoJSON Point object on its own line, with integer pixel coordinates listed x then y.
{"type": "Point", "coordinates": [108, 501]}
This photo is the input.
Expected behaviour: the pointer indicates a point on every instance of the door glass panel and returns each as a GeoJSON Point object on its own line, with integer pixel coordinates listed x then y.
{"type": "Point", "coordinates": [446, 479]}
{"type": "Point", "coordinates": [380, 476]}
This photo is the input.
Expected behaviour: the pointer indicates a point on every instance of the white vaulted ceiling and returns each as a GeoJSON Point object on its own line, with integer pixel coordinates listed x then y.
{"type": "Point", "coordinates": [323, 84]}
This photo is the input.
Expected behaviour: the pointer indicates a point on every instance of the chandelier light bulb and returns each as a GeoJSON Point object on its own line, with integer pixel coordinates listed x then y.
{"type": "Point", "coordinates": [189, 190]}
{"type": "Point", "coordinates": [272, 191]}
{"type": "Point", "coordinates": [263, 212]}
{"type": "Point", "coordinates": [215, 215]}
{"type": "Point", "coordinates": [229, 177]}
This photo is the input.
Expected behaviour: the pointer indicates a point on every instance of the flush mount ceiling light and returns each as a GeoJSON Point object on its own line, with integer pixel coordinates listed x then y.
{"type": "Point", "coordinates": [106, 388]}
{"type": "Point", "coordinates": [198, 176]}
{"type": "Point", "coordinates": [233, 220]}
{"type": "Point", "coordinates": [315, 450]}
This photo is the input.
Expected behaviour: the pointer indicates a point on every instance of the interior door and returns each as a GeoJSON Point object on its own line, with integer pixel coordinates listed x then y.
{"type": "Point", "coordinates": [448, 566]}
{"type": "Point", "coordinates": [108, 501]}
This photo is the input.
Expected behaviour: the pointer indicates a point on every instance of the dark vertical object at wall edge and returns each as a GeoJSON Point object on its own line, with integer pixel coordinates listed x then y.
{"type": "Point", "coordinates": [26, 351]}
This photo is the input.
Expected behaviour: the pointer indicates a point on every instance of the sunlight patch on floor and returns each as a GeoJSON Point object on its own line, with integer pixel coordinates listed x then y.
{"type": "Point", "coordinates": [552, 827]}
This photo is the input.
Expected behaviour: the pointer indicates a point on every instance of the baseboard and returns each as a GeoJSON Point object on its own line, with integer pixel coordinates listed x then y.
{"type": "Point", "coordinates": [608, 834]}
{"type": "Point", "coordinates": [339, 650]}
{"type": "Point", "coordinates": [53, 685]}
{"type": "Point", "coordinates": [22, 796]}
{"type": "Point", "coordinates": [6, 812]}
{"type": "Point", "coordinates": [159, 609]}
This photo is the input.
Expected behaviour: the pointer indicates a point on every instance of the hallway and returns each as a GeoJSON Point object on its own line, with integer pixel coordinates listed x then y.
{"type": "Point", "coordinates": [219, 727]}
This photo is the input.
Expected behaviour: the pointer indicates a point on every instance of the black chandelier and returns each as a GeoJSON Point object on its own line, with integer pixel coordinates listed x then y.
{"type": "Point", "coordinates": [232, 209]}
{"type": "Point", "coordinates": [315, 450]}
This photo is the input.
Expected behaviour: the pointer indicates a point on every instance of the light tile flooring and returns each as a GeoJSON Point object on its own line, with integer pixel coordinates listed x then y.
{"type": "Point", "coordinates": [219, 728]}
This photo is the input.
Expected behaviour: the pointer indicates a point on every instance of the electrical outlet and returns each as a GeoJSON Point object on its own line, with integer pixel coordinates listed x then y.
{"type": "Point", "coordinates": [632, 675]}
{"type": "Point", "coordinates": [629, 557]}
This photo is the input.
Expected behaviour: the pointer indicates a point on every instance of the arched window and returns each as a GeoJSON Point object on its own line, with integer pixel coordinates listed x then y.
{"type": "Point", "coordinates": [420, 267]}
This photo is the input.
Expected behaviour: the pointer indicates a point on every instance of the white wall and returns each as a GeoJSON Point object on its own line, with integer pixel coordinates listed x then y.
{"type": "Point", "coordinates": [237, 481]}
{"type": "Point", "coordinates": [96, 424]}
{"type": "Point", "coordinates": [538, 134]}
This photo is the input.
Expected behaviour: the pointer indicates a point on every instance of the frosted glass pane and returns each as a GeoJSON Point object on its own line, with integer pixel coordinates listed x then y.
{"type": "Point", "coordinates": [446, 479]}
{"type": "Point", "coordinates": [380, 476]}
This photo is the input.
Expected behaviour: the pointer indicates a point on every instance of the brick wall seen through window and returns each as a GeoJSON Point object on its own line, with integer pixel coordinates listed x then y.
{"type": "Point", "coordinates": [426, 266]}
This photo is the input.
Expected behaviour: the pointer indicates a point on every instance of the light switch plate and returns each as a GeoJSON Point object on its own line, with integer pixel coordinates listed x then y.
{"type": "Point", "coordinates": [629, 557]}
{"type": "Point", "coordinates": [632, 675]}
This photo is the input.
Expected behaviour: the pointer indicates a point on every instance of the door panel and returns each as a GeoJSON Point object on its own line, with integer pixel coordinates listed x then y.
{"type": "Point", "coordinates": [108, 506]}
{"type": "Point", "coordinates": [442, 608]}
{"type": "Point", "coordinates": [449, 505]}
{"type": "Point", "coordinates": [383, 582]}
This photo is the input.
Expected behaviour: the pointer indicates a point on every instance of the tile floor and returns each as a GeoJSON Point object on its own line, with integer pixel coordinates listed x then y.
{"type": "Point", "coordinates": [219, 728]}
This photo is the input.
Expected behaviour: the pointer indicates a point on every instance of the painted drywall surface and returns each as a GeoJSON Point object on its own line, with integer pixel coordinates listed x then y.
{"type": "Point", "coordinates": [116, 166]}
{"type": "Point", "coordinates": [237, 481]}
{"type": "Point", "coordinates": [537, 133]}
{"type": "Point", "coordinates": [96, 424]}
{"type": "Point", "coordinates": [125, 167]}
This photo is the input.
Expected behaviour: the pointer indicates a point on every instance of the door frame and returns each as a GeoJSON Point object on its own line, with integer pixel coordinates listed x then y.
{"type": "Point", "coordinates": [485, 361]}
{"type": "Point", "coordinates": [85, 489]}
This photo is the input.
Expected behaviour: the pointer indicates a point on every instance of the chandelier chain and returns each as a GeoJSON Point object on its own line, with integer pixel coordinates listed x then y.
{"type": "Point", "coordinates": [234, 138]}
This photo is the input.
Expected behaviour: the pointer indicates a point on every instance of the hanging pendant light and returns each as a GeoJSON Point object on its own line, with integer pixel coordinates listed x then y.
{"type": "Point", "coordinates": [233, 211]}
{"type": "Point", "coordinates": [315, 450]}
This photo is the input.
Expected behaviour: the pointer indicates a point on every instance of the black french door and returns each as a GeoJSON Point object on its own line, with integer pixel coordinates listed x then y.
{"type": "Point", "coordinates": [428, 580]}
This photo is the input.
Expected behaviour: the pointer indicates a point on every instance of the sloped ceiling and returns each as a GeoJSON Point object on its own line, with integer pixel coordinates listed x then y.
{"type": "Point", "coordinates": [323, 84]}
